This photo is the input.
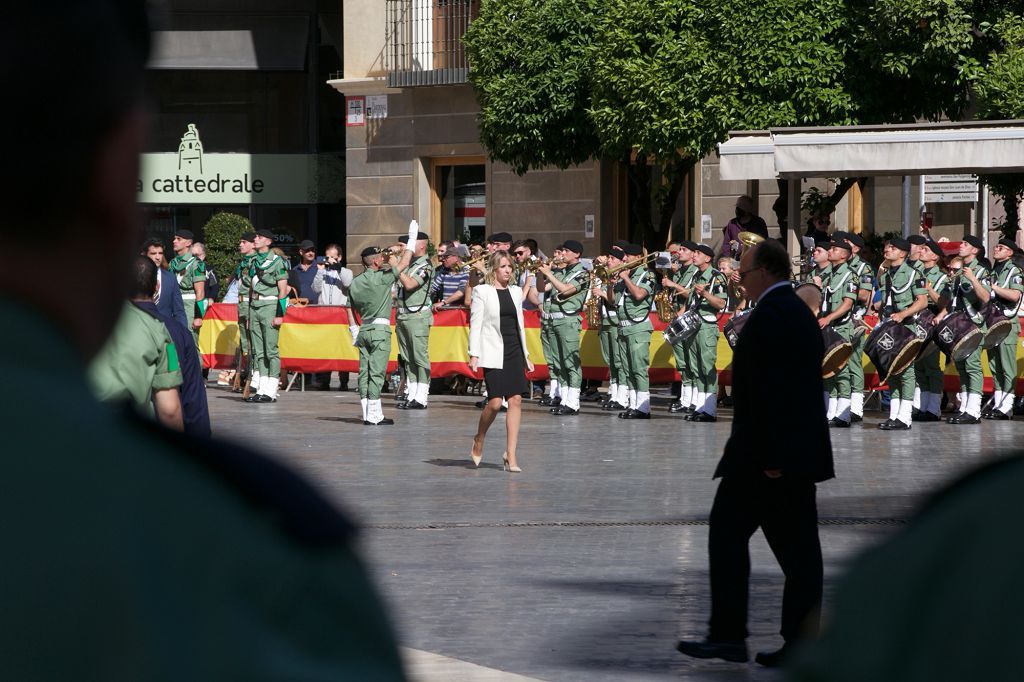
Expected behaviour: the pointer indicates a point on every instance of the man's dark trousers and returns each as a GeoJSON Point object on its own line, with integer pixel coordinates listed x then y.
{"type": "Point", "coordinates": [786, 512]}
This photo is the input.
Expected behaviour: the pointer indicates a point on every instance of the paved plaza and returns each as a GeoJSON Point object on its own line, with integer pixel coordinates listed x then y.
{"type": "Point", "coordinates": [593, 562]}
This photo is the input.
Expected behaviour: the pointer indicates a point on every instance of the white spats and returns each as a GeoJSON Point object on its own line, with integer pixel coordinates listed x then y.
{"type": "Point", "coordinates": [843, 409]}
{"type": "Point", "coordinates": [571, 398]}
{"type": "Point", "coordinates": [643, 402]}
{"type": "Point", "coordinates": [857, 404]}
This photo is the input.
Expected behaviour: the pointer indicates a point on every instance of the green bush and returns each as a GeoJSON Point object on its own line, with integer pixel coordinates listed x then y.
{"type": "Point", "coordinates": [222, 233]}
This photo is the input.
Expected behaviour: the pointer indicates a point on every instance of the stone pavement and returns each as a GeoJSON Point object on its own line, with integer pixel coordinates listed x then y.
{"type": "Point", "coordinates": [592, 563]}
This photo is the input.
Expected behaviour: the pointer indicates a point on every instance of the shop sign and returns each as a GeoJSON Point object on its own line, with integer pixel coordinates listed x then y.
{"type": "Point", "coordinates": [355, 111]}
{"type": "Point", "coordinates": [193, 176]}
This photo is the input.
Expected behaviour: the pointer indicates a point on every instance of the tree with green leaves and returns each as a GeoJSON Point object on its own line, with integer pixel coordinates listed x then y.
{"type": "Point", "coordinates": [223, 232]}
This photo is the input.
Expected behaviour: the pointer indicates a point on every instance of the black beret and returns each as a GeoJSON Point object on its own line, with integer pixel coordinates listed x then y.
{"type": "Point", "coordinates": [617, 252]}
{"type": "Point", "coordinates": [633, 250]}
{"type": "Point", "coordinates": [369, 251]}
{"type": "Point", "coordinates": [840, 244]}
{"type": "Point", "coordinates": [823, 244]}
{"type": "Point", "coordinates": [686, 244]}
{"type": "Point", "coordinates": [621, 243]}
{"type": "Point", "coordinates": [306, 245]}
{"type": "Point", "coordinates": [974, 241]}
{"type": "Point", "coordinates": [1010, 244]}
{"type": "Point", "coordinates": [917, 239]}
{"type": "Point", "coordinates": [705, 249]}
{"type": "Point", "coordinates": [935, 248]}
{"type": "Point", "coordinates": [265, 233]}
{"type": "Point", "coordinates": [574, 246]}
{"type": "Point", "coordinates": [900, 243]}
{"type": "Point", "coordinates": [856, 240]}
{"type": "Point", "coordinates": [184, 234]}
{"type": "Point", "coordinates": [497, 237]}
{"type": "Point", "coordinates": [840, 234]}
{"type": "Point", "coordinates": [248, 236]}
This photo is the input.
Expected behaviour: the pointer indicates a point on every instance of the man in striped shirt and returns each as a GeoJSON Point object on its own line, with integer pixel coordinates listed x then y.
{"type": "Point", "coordinates": [448, 287]}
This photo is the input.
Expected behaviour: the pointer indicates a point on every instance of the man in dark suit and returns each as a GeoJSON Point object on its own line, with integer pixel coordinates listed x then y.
{"type": "Point", "coordinates": [768, 482]}
{"type": "Point", "coordinates": [168, 300]}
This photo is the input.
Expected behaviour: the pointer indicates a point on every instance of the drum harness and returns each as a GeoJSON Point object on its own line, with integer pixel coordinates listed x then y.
{"type": "Point", "coordinates": [959, 302]}
{"type": "Point", "coordinates": [621, 302]}
{"type": "Point", "coordinates": [1014, 309]}
{"type": "Point", "coordinates": [826, 307]}
{"type": "Point", "coordinates": [888, 309]}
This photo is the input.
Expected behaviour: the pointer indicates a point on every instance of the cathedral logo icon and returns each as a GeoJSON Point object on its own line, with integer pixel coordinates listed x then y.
{"type": "Point", "coordinates": [190, 151]}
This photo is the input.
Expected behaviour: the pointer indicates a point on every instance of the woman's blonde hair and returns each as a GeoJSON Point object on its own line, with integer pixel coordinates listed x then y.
{"type": "Point", "coordinates": [492, 263]}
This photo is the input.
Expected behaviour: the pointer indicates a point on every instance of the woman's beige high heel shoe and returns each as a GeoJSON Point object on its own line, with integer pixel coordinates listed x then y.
{"type": "Point", "coordinates": [476, 458]}
{"type": "Point", "coordinates": [505, 465]}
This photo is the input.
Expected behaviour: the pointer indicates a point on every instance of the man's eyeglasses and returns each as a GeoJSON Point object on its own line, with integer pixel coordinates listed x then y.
{"type": "Point", "coordinates": [518, 253]}
{"type": "Point", "coordinates": [744, 273]}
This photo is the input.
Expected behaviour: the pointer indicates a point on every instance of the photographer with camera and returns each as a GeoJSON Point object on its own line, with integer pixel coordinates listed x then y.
{"type": "Point", "coordinates": [331, 283]}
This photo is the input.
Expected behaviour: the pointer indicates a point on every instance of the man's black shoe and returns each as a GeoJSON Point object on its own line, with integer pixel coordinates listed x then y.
{"type": "Point", "coordinates": [480, 404]}
{"type": "Point", "coordinates": [773, 659]}
{"type": "Point", "coordinates": [562, 409]}
{"type": "Point", "coordinates": [928, 417]}
{"type": "Point", "coordinates": [725, 401]}
{"type": "Point", "coordinates": [886, 425]}
{"type": "Point", "coordinates": [264, 399]}
{"type": "Point", "coordinates": [634, 414]}
{"type": "Point", "coordinates": [703, 417]}
{"type": "Point", "coordinates": [964, 418]}
{"type": "Point", "coordinates": [897, 425]}
{"type": "Point", "coordinates": [689, 409]}
{"type": "Point", "coordinates": [856, 418]}
{"type": "Point", "coordinates": [914, 414]}
{"type": "Point", "coordinates": [727, 651]}
{"type": "Point", "coordinates": [545, 401]}
{"type": "Point", "coordinates": [675, 407]}
{"type": "Point", "coordinates": [386, 421]}
{"type": "Point", "coordinates": [411, 405]}
{"type": "Point", "coordinates": [1000, 416]}
{"type": "Point", "coordinates": [837, 423]}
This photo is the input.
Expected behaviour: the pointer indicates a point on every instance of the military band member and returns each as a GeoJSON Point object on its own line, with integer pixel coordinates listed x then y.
{"type": "Point", "coordinates": [970, 291]}
{"type": "Point", "coordinates": [545, 299]}
{"type": "Point", "coordinates": [247, 249]}
{"type": "Point", "coordinates": [267, 305]}
{"type": "Point", "coordinates": [838, 297]}
{"type": "Point", "coordinates": [865, 289]}
{"type": "Point", "coordinates": [1006, 289]}
{"type": "Point", "coordinates": [567, 291]}
{"type": "Point", "coordinates": [905, 295]}
{"type": "Point", "coordinates": [928, 396]}
{"type": "Point", "coordinates": [819, 256]}
{"type": "Point", "coordinates": [708, 297]}
{"type": "Point", "coordinates": [191, 275]}
{"type": "Point", "coordinates": [618, 388]}
{"type": "Point", "coordinates": [370, 296]}
{"type": "Point", "coordinates": [918, 245]}
{"type": "Point", "coordinates": [414, 319]}
{"type": "Point", "coordinates": [631, 292]}
{"type": "Point", "coordinates": [681, 281]}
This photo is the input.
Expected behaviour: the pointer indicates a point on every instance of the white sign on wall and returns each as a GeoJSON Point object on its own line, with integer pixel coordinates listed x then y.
{"type": "Point", "coordinates": [705, 227]}
{"type": "Point", "coordinates": [376, 106]}
{"type": "Point", "coordinates": [588, 227]}
{"type": "Point", "coordinates": [940, 189]}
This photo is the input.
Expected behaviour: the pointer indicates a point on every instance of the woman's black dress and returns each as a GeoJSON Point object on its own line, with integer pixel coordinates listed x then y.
{"type": "Point", "coordinates": [510, 379]}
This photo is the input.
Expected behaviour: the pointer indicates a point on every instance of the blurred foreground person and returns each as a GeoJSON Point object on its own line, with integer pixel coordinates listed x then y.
{"type": "Point", "coordinates": [769, 483]}
{"type": "Point", "coordinates": [134, 552]}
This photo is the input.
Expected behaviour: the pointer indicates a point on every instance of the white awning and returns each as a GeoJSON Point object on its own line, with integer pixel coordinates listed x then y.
{"type": "Point", "coordinates": [747, 157]}
{"type": "Point", "coordinates": [857, 151]}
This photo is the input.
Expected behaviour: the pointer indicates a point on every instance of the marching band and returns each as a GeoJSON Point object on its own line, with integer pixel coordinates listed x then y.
{"type": "Point", "coordinates": [927, 305]}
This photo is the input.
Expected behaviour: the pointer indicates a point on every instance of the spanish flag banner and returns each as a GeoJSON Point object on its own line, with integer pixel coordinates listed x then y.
{"type": "Point", "coordinates": [317, 339]}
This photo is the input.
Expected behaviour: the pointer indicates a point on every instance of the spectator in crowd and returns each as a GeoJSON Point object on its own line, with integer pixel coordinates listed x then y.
{"type": "Point", "coordinates": [133, 551]}
{"type": "Point", "coordinates": [139, 363]}
{"type": "Point", "coordinates": [331, 286]}
{"type": "Point", "coordinates": [301, 277]}
{"type": "Point", "coordinates": [168, 296]}
{"type": "Point", "coordinates": [448, 288]}
{"type": "Point", "coordinates": [212, 285]}
{"type": "Point", "coordinates": [817, 228]}
{"type": "Point", "coordinates": [746, 220]}
{"type": "Point", "coordinates": [195, 412]}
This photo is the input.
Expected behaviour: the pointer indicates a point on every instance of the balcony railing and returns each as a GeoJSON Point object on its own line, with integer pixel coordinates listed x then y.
{"type": "Point", "coordinates": [424, 41]}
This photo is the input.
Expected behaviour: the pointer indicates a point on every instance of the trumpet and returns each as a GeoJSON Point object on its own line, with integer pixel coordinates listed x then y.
{"type": "Point", "coordinates": [535, 264]}
{"type": "Point", "coordinates": [387, 253]}
{"type": "Point", "coordinates": [471, 262]}
{"type": "Point", "coordinates": [603, 272]}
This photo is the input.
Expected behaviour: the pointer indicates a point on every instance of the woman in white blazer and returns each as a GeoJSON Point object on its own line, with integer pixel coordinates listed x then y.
{"type": "Point", "coordinates": [497, 343]}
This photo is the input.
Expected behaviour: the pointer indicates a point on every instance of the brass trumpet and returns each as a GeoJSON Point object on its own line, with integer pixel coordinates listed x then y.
{"type": "Point", "coordinates": [605, 273]}
{"type": "Point", "coordinates": [471, 262]}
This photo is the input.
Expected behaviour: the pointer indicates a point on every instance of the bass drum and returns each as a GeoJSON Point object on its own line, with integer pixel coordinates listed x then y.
{"type": "Point", "coordinates": [683, 327]}
{"type": "Point", "coordinates": [837, 352]}
{"type": "Point", "coordinates": [734, 327]}
{"type": "Point", "coordinates": [892, 348]}
{"type": "Point", "coordinates": [925, 328]}
{"type": "Point", "coordinates": [957, 336]}
{"type": "Point", "coordinates": [999, 326]}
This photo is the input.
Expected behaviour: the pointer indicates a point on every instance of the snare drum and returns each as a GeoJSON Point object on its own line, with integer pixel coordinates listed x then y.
{"type": "Point", "coordinates": [957, 336]}
{"type": "Point", "coordinates": [892, 348]}
{"type": "Point", "coordinates": [734, 327]}
{"type": "Point", "coordinates": [999, 326]}
{"type": "Point", "coordinates": [683, 327]}
{"type": "Point", "coordinates": [837, 352]}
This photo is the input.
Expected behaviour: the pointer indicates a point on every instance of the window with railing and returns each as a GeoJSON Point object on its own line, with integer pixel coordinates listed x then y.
{"type": "Point", "coordinates": [424, 41]}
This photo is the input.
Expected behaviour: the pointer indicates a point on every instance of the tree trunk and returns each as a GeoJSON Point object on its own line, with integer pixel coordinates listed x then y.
{"type": "Point", "coordinates": [676, 173]}
{"type": "Point", "coordinates": [781, 208]}
{"type": "Point", "coordinates": [640, 176]}
{"type": "Point", "coordinates": [1012, 223]}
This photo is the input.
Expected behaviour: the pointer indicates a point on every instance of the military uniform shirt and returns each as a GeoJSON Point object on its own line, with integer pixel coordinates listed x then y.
{"type": "Point", "coordinates": [266, 270]}
{"type": "Point", "coordinates": [575, 276]}
{"type": "Point", "coordinates": [902, 286]}
{"type": "Point", "coordinates": [370, 295]}
{"type": "Point", "coordinates": [939, 281]}
{"type": "Point", "coordinates": [963, 294]}
{"type": "Point", "coordinates": [633, 313]}
{"type": "Point", "coordinates": [865, 281]}
{"type": "Point", "coordinates": [188, 270]}
{"type": "Point", "coordinates": [412, 302]}
{"type": "Point", "coordinates": [548, 304]}
{"type": "Point", "coordinates": [684, 278]}
{"type": "Point", "coordinates": [138, 359]}
{"type": "Point", "coordinates": [715, 285]}
{"type": "Point", "coordinates": [243, 273]}
{"type": "Point", "coordinates": [1008, 276]}
{"type": "Point", "coordinates": [841, 285]}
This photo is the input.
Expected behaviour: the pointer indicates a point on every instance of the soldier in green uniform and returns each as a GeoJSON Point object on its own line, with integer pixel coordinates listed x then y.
{"type": "Point", "coordinates": [708, 296]}
{"type": "Point", "coordinates": [905, 296]}
{"type": "Point", "coordinates": [370, 295]}
{"type": "Point", "coordinates": [191, 275]}
{"type": "Point", "coordinates": [838, 297]}
{"type": "Point", "coordinates": [819, 256]}
{"type": "Point", "coordinates": [918, 245]}
{"type": "Point", "coordinates": [970, 291]}
{"type": "Point", "coordinates": [414, 318]}
{"type": "Point", "coordinates": [865, 288]}
{"type": "Point", "coordinates": [547, 333]}
{"type": "Point", "coordinates": [1007, 286]}
{"type": "Point", "coordinates": [927, 369]}
{"type": "Point", "coordinates": [139, 363]}
{"type": "Point", "coordinates": [568, 290]}
{"type": "Point", "coordinates": [609, 336]}
{"type": "Point", "coordinates": [631, 294]}
{"type": "Point", "coordinates": [267, 305]}
{"type": "Point", "coordinates": [681, 281]}
{"type": "Point", "coordinates": [247, 249]}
